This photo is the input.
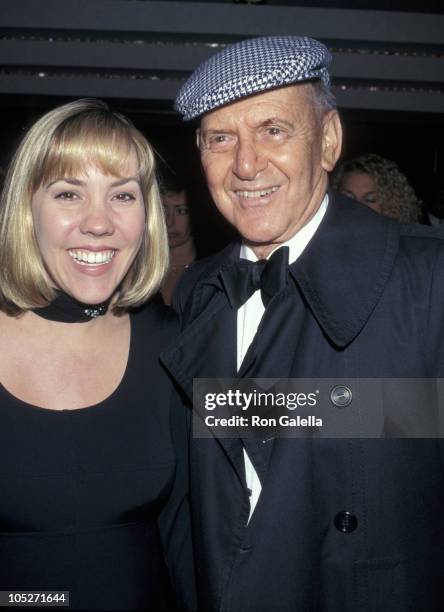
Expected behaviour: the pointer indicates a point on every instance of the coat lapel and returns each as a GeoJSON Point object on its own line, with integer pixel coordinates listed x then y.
{"type": "Point", "coordinates": [344, 269]}
{"type": "Point", "coordinates": [206, 348]}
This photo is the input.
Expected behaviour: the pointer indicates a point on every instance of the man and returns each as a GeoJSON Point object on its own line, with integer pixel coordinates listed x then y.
{"type": "Point", "coordinates": [307, 524]}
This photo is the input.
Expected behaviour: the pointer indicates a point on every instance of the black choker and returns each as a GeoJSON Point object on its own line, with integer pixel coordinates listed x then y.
{"type": "Point", "coordinates": [65, 309]}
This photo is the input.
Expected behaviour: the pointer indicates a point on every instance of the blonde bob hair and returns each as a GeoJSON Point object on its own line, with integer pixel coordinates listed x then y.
{"type": "Point", "coordinates": [63, 143]}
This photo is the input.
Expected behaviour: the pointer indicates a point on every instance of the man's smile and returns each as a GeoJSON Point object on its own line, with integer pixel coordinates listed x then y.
{"type": "Point", "coordinates": [258, 193]}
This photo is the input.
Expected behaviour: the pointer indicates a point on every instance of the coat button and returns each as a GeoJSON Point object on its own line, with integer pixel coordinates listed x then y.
{"type": "Point", "coordinates": [341, 396]}
{"type": "Point", "coordinates": [345, 522]}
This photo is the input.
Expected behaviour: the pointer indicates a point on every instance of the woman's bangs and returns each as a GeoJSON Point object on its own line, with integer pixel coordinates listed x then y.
{"type": "Point", "coordinates": [78, 148]}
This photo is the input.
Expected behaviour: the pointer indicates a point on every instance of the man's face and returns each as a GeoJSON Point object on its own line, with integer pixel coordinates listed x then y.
{"type": "Point", "coordinates": [266, 159]}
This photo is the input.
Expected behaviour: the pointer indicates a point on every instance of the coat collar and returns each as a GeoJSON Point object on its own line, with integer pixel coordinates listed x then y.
{"type": "Point", "coordinates": [345, 267]}
{"type": "Point", "coordinates": [341, 273]}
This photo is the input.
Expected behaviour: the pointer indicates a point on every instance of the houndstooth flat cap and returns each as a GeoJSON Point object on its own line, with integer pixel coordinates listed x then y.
{"type": "Point", "coordinates": [250, 67]}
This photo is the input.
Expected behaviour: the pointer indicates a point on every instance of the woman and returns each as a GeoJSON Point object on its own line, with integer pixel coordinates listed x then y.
{"type": "Point", "coordinates": [180, 235]}
{"type": "Point", "coordinates": [379, 184]}
{"type": "Point", "coordinates": [92, 451]}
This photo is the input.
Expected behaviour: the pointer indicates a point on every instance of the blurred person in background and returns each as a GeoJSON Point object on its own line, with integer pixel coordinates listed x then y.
{"type": "Point", "coordinates": [175, 202]}
{"type": "Point", "coordinates": [379, 184]}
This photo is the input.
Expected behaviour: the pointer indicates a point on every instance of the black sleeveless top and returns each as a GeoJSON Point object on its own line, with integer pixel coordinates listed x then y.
{"type": "Point", "coordinates": [82, 492]}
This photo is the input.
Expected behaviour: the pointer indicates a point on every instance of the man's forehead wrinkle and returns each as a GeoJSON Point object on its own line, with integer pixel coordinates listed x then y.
{"type": "Point", "coordinates": [217, 129]}
{"type": "Point", "coordinates": [291, 104]}
{"type": "Point", "coordinates": [274, 120]}
{"type": "Point", "coordinates": [232, 122]}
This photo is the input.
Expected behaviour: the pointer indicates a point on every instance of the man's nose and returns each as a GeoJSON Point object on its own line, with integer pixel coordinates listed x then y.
{"type": "Point", "coordinates": [97, 218]}
{"type": "Point", "coordinates": [249, 160]}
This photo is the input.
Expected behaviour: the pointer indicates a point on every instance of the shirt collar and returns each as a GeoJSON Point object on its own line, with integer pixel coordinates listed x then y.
{"type": "Point", "coordinates": [296, 243]}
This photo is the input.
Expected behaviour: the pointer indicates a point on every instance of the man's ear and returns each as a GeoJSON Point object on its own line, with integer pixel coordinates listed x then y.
{"type": "Point", "coordinates": [331, 139]}
{"type": "Point", "coordinates": [198, 138]}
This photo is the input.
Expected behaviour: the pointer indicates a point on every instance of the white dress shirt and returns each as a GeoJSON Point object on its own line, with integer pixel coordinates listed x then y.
{"type": "Point", "coordinates": [250, 314]}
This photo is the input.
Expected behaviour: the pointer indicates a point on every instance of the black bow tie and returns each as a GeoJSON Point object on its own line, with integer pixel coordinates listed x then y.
{"type": "Point", "coordinates": [245, 277]}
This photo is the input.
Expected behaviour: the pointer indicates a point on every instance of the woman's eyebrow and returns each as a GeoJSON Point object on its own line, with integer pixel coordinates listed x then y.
{"type": "Point", "coordinates": [74, 181]}
{"type": "Point", "coordinates": [125, 179]}
{"type": "Point", "coordinates": [71, 181]}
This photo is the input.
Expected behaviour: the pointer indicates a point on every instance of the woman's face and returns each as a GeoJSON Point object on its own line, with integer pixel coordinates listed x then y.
{"type": "Point", "coordinates": [177, 218]}
{"type": "Point", "coordinates": [362, 187]}
{"type": "Point", "coordinates": [89, 228]}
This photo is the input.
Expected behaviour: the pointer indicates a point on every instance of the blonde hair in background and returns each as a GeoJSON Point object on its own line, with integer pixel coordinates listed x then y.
{"type": "Point", "coordinates": [398, 198]}
{"type": "Point", "coordinates": [64, 142]}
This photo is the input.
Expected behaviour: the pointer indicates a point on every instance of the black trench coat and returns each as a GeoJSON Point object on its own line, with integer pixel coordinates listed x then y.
{"type": "Point", "coordinates": [366, 299]}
